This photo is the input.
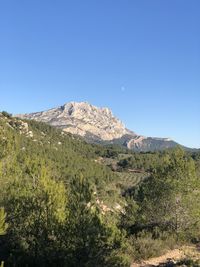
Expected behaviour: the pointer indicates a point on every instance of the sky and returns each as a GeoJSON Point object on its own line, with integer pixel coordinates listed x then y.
{"type": "Point", "coordinates": [141, 58]}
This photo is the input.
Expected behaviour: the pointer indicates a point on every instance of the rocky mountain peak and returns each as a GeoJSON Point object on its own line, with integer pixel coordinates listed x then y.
{"type": "Point", "coordinates": [83, 119]}
{"type": "Point", "coordinates": [97, 125]}
{"type": "Point", "coordinates": [84, 108]}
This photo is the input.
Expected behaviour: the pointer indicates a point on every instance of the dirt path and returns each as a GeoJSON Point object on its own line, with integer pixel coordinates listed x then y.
{"type": "Point", "coordinates": [172, 255]}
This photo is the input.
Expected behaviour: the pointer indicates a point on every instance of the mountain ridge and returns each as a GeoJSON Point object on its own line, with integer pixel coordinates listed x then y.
{"type": "Point", "coordinates": [97, 125]}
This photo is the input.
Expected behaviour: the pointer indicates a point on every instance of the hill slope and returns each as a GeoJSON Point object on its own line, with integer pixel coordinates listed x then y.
{"type": "Point", "coordinates": [30, 144]}
{"type": "Point", "coordinates": [58, 197]}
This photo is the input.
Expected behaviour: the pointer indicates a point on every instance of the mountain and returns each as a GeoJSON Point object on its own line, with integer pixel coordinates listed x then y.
{"type": "Point", "coordinates": [97, 125]}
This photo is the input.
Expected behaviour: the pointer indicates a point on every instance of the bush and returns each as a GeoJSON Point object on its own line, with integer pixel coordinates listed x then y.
{"type": "Point", "coordinates": [6, 114]}
{"type": "Point", "coordinates": [147, 246]}
{"type": "Point", "coordinates": [189, 263]}
{"type": "Point", "coordinates": [118, 259]}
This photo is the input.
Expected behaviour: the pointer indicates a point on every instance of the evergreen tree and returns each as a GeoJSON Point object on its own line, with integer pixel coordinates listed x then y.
{"type": "Point", "coordinates": [35, 211]}
{"type": "Point", "coordinates": [170, 198]}
{"type": "Point", "coordinates": [89, 240]}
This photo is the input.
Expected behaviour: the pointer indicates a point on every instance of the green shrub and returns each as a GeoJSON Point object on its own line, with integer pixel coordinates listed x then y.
{"type": "Point", "coordinates": [189, 263]}
{"type": "Point", "coordinates": [118, 259]}
{"type": "Point", "coordinates": [147, 246]}
{"type": "Point", "coordinates": [6, 114]}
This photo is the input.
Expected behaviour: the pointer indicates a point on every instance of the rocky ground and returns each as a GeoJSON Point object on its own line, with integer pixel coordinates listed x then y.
{"type": "Point", "coordinates": [175, 257]}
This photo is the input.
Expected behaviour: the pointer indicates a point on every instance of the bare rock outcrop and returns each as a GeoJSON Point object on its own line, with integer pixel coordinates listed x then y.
{"type": "Point", "coordinates": [97, 125]}
{"type": "Point", "coordinates": [81, 119]}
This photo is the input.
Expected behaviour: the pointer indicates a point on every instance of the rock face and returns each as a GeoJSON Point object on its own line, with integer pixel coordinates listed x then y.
{"type": "Point", "coordinates": [97, 125]}
{"type": "Point", "coordinates": [82, 119]}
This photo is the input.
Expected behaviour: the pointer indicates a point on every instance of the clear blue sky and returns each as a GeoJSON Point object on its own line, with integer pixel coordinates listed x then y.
{"type": "Point", "coordinates": [141, 58]}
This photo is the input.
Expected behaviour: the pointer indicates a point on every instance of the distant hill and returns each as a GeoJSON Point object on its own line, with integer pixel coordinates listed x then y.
{"type": "Point", "coordinates": [97, 125]}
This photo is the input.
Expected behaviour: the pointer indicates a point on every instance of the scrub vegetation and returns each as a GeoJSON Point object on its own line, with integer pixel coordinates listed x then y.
{"type": "Point", "coordinates": [65, 202]}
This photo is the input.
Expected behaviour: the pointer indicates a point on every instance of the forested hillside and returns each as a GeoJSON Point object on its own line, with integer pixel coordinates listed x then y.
{"type": "Point", "coordinates": [68, 203]}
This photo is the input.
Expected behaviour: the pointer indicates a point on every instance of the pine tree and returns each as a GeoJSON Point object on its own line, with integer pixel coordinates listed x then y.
{"type": "Point", "coordinates": [170, 198]}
